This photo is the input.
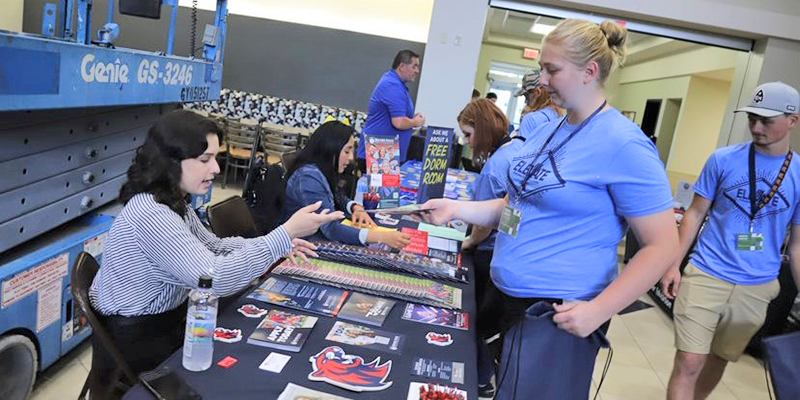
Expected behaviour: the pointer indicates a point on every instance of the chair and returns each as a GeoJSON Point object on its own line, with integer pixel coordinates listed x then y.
{"type": "Point", "coordinates": [83, 274]}
{"type": "Point", "coordinates": [240, 145]}
{"type": "Point", "coordinates": [288, 158]}
{"type": "Point", "coordinates": [231, 217]}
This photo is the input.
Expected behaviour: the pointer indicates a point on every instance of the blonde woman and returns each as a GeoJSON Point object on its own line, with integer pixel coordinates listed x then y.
{"type": "Point", "coordinates": [577, 184]}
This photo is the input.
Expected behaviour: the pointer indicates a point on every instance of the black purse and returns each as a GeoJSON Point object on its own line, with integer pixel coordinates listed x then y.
{"type": "Point", "coordinates": [541, 359]}
{"type": "Point", "coordinates": [783, 360]}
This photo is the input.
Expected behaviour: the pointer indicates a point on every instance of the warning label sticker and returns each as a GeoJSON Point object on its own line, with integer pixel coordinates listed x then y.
{"type": "Point", "coordinates": [48, 310]}
{"type": "Point", "coordinates": [95, 245]}
{"type": "Point", "coordinates": [23, 284]}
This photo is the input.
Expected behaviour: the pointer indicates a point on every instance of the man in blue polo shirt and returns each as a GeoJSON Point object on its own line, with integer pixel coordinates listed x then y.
{"type": "Point", "coordinates": [750, 192]}
{"type": "Point", "coordinates": [391, 111]}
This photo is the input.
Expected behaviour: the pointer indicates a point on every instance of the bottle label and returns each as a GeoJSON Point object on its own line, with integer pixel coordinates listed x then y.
{"type": "Point", "coordinates": [199, 330]}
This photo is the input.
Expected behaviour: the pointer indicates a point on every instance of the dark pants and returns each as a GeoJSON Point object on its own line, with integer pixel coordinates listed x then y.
{"type": "Point", "coordinates": [482, 260]}
{"type": "Point", "coordinates": [144, 342]}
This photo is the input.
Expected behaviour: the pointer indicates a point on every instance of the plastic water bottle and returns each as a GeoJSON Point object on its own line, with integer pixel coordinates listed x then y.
{"type": "Point", "coordinates": [201, 320]}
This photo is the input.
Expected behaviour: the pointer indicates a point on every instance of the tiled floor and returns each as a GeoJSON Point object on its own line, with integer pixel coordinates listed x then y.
{"type": "Point", "coordinates": [640, 368]}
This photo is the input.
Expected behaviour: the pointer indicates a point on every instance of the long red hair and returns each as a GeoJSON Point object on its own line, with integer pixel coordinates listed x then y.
{"type": "Point", "coordinates": [490, 125]}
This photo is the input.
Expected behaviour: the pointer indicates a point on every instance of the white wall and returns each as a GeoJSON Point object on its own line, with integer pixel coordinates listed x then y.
{"type": "Point", "coordinates": [399, 19]}
{"type": "Point", "coordinates": [11, 16]}
{"type": "Point", "coordinates": [699, 125]}
{"type": "Point", "coordinates": [690, 62]}
{"type": "Point", "coordinates": [450, 60]}
{"type": "Point", "coordinates": [490, 53]}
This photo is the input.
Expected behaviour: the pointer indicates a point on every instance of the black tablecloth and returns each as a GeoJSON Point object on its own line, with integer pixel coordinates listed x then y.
{"type": "Point", "coordinates": [245, 381]}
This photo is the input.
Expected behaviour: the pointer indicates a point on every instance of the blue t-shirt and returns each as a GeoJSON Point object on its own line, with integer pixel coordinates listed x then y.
{"type": "Point", "coordinates": [573, 210]}
{"type": "Point", "coordinates": [535, 119]}
{"type": "Point", "coordinates": [725, 181]}
{"type": "Point", "coordinates": [390, 99]}
{"type": "Point", "coordinates": [491, 184]}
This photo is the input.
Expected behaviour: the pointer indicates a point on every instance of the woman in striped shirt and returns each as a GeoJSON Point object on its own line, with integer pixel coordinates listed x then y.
{"type": "Point", "coordinates": [157, 247]}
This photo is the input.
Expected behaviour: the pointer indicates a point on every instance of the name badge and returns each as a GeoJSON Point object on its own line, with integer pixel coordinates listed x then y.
{"type": "Point", "coordinates": [510, 220]}
{"type": "Point", "coordinates": [750, 242]}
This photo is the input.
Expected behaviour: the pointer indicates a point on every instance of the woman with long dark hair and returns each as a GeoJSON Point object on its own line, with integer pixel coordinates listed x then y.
{"type": "Point", "coordinates": [313, 177]}
{"type": "Point", "coordinates": [157, 248]}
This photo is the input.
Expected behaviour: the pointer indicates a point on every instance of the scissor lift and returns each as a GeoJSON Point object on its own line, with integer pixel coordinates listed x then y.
{"type": "Point", "coordinates": [73, 111]}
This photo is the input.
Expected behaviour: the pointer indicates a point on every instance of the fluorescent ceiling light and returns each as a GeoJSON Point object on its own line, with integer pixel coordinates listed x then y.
{"type": "Point", "coordinates": [542, 29]}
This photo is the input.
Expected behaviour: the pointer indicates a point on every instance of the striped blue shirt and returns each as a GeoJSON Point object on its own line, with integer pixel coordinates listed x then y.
{"type": "Point", "coordinates": [153, 257]}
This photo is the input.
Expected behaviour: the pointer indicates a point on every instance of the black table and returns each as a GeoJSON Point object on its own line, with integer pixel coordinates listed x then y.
{"type": "Point", "coordinates": [245, 381]}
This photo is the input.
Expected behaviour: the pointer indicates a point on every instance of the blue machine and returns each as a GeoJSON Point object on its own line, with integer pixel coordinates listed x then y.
{"type": "Point", "coordinates": [58, 167]}
{"type": "Point", "coordinates": [47, 72]}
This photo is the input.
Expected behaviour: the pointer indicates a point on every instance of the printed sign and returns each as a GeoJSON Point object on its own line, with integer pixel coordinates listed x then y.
{"type": "Point", "coordinates": [21, 285]}
{"type": "Point", "coordinates": [48, 309]}
{"type": "Point", "coordinates": [434, 167]}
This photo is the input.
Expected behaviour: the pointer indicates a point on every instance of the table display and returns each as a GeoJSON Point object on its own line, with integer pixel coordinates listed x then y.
{"type": "Point", "coordinates": [361, 346]}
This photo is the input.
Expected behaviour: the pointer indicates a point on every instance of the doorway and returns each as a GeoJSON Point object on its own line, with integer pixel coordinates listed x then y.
{"type": "Point", "coordinates": [666, 130]}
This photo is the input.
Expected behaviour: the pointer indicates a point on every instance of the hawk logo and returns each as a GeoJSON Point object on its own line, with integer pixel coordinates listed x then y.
{"type": "Point", "coordinates": [759, 97]}
{"type": "Point", "coordinates": [334, 366]}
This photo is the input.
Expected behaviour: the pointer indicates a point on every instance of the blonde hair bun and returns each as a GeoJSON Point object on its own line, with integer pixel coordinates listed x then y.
{"type": "Point", "coordinates": [617, 37]}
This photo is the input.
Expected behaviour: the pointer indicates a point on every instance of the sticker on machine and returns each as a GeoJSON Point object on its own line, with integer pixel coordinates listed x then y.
{"type": "Point", "coordinates": [95, 245]}
{"type": "Point", "coordinates": [23, 284]}
{"type": "Point", "coordinates": [48, 309]}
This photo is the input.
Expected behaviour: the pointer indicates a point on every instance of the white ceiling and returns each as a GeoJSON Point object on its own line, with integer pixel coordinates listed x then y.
{"type": "Point", "coordinates": [513, 25]}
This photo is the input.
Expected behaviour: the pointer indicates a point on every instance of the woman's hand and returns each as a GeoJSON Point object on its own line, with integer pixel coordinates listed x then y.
{"type": "Point", "coordinates": [302, 249]}
{"type": "Point", "coordinates": [579, 318]}
{"type": "Point", "coordinates": [306, 221]}
{"type": "Point", "coordinates": [395, 239]}
{"type": "Point", "coordinates": [361, 219]}
{"type": "Point", "coordinates": [439, 211]}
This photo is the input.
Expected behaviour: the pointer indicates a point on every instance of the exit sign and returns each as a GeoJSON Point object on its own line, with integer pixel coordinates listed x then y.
{"type": "Point", "coordinates": [530, 53]}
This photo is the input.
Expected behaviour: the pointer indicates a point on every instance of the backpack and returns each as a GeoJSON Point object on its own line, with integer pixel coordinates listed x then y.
{"type": "Point", "coordinates": [265, 192]}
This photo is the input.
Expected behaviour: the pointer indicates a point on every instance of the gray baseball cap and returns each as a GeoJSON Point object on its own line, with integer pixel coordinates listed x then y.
{"type": "Point", "coordinates": [529, 81]}
{"type": "Point", "coordinates": [773, 99]}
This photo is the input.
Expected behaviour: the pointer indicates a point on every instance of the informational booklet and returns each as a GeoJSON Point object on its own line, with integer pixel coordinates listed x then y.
{"type": "Point", "coordinates": [436, 316]}
{"type": "Point", "coordinates": [283, 330]}
{"type": "Point", "coordinates": [381, 283]}
{"type": "Point", "coordinates": [301, 295]}
{"type": "Point", "coordinates": [366, 309]}
{"type": "Point", "coordinates": [448, 371]}
{"type": "Point", "coordinates": [383, 169]}
{"type": "Point", "coordinates": [363, 336]}
{"type": "Point", "coordinates": [404, 210]}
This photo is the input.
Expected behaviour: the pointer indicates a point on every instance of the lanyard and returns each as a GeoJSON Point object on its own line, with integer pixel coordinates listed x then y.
{"type": "Point", "coordinates": [755, 207]}
{"type": "Point", "coordinates": [538, 167]}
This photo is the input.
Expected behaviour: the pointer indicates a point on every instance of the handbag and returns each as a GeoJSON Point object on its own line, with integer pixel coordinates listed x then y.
{"type": "Point", "coordinates": [540, 358]}
{"type": "Point", "coordinates": [783, 359]}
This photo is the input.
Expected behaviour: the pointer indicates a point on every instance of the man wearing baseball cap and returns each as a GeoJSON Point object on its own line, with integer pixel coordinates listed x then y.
{"type": "Point", "coordinates": [751, 193]}
{"type": "Point", "coordinates": [539, 109]}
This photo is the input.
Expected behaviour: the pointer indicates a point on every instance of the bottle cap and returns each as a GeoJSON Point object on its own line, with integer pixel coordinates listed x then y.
{"type": "Point", "coordinates": [205, 282]}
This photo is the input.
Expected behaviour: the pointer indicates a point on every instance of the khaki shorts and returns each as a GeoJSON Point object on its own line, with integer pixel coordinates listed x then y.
{"type": "Point", "coordinates": [719, 317]}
